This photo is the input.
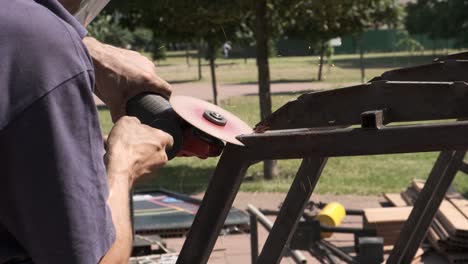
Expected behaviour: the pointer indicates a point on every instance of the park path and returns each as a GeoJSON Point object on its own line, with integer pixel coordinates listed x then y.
{"type": "Point", "coordinates": [204, 90]}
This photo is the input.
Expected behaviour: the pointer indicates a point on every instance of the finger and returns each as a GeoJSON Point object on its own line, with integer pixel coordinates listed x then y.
{"type": "Point", "coordinates": [166, 139]}
{"type": "Point", "coordinates": [159, 86]}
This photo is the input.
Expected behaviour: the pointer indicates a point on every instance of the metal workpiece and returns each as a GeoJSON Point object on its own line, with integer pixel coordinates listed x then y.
{"type": "Point", "coordinates": [357, 141]}
{"type": "Point", "coordinates": [291, 210]}
{"type": "Point", "coordinates": [215, 206]}
{"type": "Point", "coordinates": [313, 127]}
{"type": "Point", "coordinates": [404, 101]}
{"type": "Point", "coordinates": [440, 71]}
{"type": "Point", "coordinates": [373, 119]}
{"type": "Point", "coordinates": [426, 206]}
{"type": "Point", "coordinates": [454, 56]}
{"type": "Point", "coordinates": [256, 215]}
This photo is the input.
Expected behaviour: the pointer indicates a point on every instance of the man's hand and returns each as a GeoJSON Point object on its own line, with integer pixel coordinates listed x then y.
{"type": "Point", "coordinates": [122, 74]}
{"type": "Point", "coordinates": [135, 149]}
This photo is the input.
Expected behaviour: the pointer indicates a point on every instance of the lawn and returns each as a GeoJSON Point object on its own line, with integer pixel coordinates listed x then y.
{"type": "Point", "coordinates": [345, 68]}
{"type": "Point", "coordinates": [365, 175]}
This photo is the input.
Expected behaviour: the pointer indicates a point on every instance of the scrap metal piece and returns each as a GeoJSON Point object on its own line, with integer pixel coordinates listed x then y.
{"type": "Point", "coordinates": [440, 71]}
{"type": "Point", "coordinates": [285, 144]}
{"type": "Point", "coordinates": [454, 56]}
{"type": "Point", "coordinates": [405, 101]}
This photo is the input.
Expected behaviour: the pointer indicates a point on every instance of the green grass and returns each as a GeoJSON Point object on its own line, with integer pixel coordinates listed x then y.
{"type": "Point", "coordinates": [345, 68]}
{"type": "Point", "coordinates": [365, 175]}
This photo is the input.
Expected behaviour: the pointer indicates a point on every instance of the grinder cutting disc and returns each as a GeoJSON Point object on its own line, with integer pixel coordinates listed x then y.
{"type": "Point", "coordinates": [210, 118]}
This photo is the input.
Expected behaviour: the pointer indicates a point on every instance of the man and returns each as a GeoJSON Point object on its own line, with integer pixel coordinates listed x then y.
{"type": "Point", "coordinates": [59, 201]}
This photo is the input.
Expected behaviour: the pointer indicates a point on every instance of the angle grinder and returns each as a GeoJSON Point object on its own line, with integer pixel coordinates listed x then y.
{"type": "Point", "coordinates": [198, 128]}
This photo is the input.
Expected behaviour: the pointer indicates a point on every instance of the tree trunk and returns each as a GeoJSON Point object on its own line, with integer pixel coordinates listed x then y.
{"type": "Point", "coordinates": [361, 59]}
{"type": "Point", "coordinates": [322, 52]}
{"type": "Point", "coordinates": [213, 76]}
{"type": "Point", "coordinates": [199, 61]}
{"type": "Point", "coordinates": [270, 169]}
{"type": "Point", "coordinates": [187, 55]}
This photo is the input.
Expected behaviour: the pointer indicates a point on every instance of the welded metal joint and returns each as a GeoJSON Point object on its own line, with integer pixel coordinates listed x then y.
{"type": "Point", "coordinates": [373, 119]}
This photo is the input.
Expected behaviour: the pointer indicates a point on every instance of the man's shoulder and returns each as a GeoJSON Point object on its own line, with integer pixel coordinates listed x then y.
{"type": "Point", "coordinates": [39, 52]}
{"type": "Point", "coordinates": [31, 28]}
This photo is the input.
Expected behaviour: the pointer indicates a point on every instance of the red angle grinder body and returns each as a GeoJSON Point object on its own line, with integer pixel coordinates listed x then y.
{"type": "Point", "coordinates": [199, 128]}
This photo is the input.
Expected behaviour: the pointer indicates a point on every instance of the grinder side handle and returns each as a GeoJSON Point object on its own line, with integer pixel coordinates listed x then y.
{"type": "Point", "coordinates": [155, 111]}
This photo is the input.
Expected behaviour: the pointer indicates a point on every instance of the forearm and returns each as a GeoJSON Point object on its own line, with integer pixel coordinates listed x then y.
{"type": "Point", "coordinates": [96, 50]}
{"type": "Point", "coordinates": [118, 203]}
{"type": "Point", "coordinates": [121, 74]}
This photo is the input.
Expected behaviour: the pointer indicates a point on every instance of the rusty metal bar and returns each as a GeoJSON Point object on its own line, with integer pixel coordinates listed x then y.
{"type": "Point", "coordinates": [296, 255]}
{"type": "Point", "coordinates": [291, 210]}
{"type": "Point", "coordinates": [253, 238]}
{"type": "Point", "coordinates": [464, 167]}
{"type": "Point", "coordinates": [454, 56]}
{"type": "Point", "coordinates": [215, 206]}
{"type": "Point", "coordinates": [441, 71]}
{"type": "Point", "coordinates": [426, 206]}
{"type": "Point", "coordinates": [356, 141]}
{"type": "Point", "coordinates": [405, 101]}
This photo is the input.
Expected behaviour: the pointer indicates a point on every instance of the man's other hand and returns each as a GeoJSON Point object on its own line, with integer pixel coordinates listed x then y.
{"type": "Point", "coordinates": [122, 74]}
{"type": "Point", "coordinates": [134, 149]}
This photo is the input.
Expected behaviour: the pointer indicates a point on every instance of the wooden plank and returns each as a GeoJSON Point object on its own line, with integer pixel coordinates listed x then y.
{"type": "Point", "coordinates": [418, 256]}
{"type": "Point", "coordinates": [395, 199]}
{"type": "Point", "coordinates": [450, 216]}
{"type": "Point", "coordinates": [387, 214]}
{"type": "Point", "coordinates": [458, 201]}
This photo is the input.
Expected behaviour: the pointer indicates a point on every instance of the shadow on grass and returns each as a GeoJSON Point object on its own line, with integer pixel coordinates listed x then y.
{"type": "Point", "coordinates": [295, 93]}
{"type": "Point", "coordinates": [182, 81]}
{"type": "Point", "coordinates": [282, 81]}
{"type": "Point", "coordinates": [180, 178]}
{"type": "Point", "coordinates": [182, 55]}
{"type": "Point", "coordinates": [396, 61]}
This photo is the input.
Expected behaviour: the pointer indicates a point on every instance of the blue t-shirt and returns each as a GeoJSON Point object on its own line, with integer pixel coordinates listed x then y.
{"type": "Point", "coordinates": [53, 184]}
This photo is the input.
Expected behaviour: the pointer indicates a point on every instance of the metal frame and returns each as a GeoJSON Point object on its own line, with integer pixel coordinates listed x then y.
{"type": "Point", "coordinates": [323, 114]}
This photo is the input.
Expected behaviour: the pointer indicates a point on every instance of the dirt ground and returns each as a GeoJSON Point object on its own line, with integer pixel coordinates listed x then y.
{"type": "Point", "coordinates": [235, 249]}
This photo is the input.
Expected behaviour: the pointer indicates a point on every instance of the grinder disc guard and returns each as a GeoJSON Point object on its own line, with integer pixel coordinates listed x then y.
{"type": "Point", "coordinates": [210, 118]}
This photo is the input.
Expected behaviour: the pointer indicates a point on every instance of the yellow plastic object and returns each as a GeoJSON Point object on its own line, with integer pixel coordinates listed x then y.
{"type": "Point", "coordinates": [331, 215]}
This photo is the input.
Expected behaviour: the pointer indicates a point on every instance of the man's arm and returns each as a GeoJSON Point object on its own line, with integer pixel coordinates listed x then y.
{"type": "Point", "coordinates": [133, 149]}
{"type": "Point", "coordinates": [122, 74]}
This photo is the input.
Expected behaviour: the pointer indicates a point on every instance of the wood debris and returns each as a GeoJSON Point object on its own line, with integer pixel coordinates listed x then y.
{"type": "Point", "coordinates": [448, 233]}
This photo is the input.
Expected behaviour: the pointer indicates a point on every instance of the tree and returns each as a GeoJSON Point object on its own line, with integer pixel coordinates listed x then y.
{"type": "Point", "coordinates": [321, 20]}
{"type": "Point", "coordinates": [267, 20]}
{"type": "Point", "coordinates": [108, 30]}
{"type": "Point", "coordinates": [439, 19]}
{"type": "Point", "coordinates": [212, 21]}
{"type": "Point", "coordinates": [262, 39]}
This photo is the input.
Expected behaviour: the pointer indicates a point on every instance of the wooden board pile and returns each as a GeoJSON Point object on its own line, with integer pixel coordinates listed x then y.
{"type": "Point", "coordinates": [387, 221]}
{"type": "Point", "coordinates": [448, 233]}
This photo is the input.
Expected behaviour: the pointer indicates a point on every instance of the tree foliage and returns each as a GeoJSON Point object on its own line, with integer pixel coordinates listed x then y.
{"type": "Point", "coordinates": [107, 29]}
{"type": "Point", "coordinates": [321, 20]}
{"type": "Point", "coordinates": [439, 19]}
